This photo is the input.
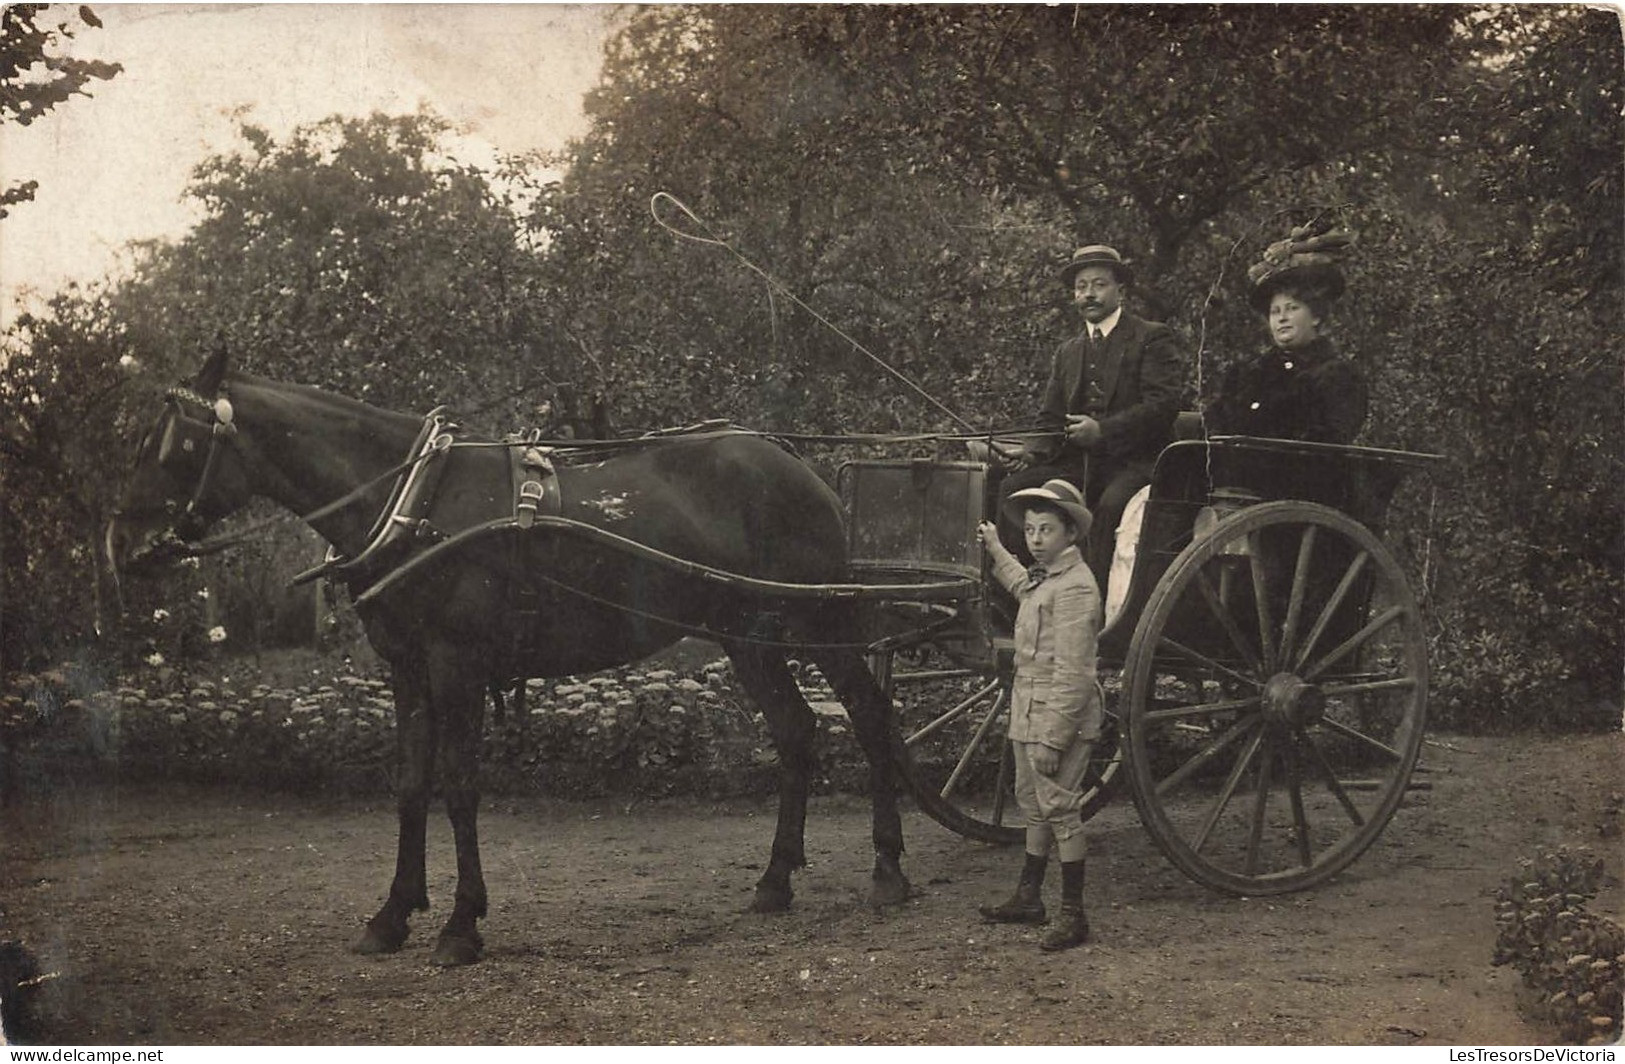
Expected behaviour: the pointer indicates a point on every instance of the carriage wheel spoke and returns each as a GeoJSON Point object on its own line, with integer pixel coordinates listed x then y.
{"type": "Point", "coordinates": [1261, 600]}
{"type": "Point", "coordinates": [1359, 736]}
{"type": "Point", "coordinates": [1206, 662]}
{"type": "Point", "coordinates": [1156, 715]}
{"type": "Point", "coordinates": [950, 715]}
{"type": "Point", "coordinates": [1206, 754]}
{"type": "Point", "coordinates": [1231, 629]}
{"type": "Point", "coordinates": [1354, 642]}
{"type": "Point", "coordinates": [1261, 801]}
{"type": "Point", "coordinates": [1398, 683]}
{"type": "Point", "coordinates": [1294, 782]}
{"type": "Point", "coordinates": [1228, 790]}
{"type": "Point", "coordinates": [1333, 784]}
{"type": "Point", "coordinates": [1001, 788]}
{"type": "Point", "coordinates": [974, 745]}
{"type": "Point", "coordinates": [1356, 567]}
{"type": "Point", "coordinates": [1300, 588]}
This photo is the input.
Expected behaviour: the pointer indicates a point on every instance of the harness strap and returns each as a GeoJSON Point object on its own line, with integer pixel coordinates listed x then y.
{"type": "Point", "coordinates": [405, 517]}
{"type": "Point", "coordinates": [535, 493]}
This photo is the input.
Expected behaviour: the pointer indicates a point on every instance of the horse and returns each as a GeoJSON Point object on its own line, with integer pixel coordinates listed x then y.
{"type": "Point", "coordinates": [731, 501]}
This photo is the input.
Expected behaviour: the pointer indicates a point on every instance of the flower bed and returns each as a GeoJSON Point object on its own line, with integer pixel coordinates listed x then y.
{"type": "Point", "coordinates": [635, 730]}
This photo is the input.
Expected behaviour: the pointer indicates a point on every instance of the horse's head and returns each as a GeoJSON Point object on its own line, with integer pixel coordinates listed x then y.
{"type": "Point", "coordinates": [188, 474]}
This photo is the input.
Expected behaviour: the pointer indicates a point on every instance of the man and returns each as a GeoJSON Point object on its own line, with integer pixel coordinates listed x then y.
{"type": "Point", "coordinates": [1113, 393]}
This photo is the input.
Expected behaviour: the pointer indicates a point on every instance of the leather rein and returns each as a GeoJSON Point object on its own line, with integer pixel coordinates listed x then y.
{"type": "Point", "coordinates": [222, 429]}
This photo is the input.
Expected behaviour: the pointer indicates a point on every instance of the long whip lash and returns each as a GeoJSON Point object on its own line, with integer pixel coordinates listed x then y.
{"type": "Point", "coordinates": [774, 285]}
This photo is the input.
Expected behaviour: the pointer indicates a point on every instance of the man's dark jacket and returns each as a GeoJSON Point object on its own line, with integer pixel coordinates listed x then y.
{"type": "Point", "coordinates": [1132, 383]}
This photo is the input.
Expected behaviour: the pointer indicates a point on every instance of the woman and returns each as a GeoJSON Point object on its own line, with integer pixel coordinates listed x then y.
{"type": "Point", "coordinates": [1300, 388]}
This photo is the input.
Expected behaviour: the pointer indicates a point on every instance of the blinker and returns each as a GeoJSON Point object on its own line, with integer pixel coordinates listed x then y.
{"type": "Point", "coordinates": [181, 436]}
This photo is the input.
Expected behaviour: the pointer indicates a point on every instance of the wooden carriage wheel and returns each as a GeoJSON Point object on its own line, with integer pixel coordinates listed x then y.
{"type": "Point", "coordinates": [1276, 692]}
{"type": "Point", "coordinates": [956, 759]}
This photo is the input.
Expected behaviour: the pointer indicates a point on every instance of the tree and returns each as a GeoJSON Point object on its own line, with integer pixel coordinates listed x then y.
{"type": "Point", "coordinates": [34, 79]}
{"type": "Point", "coordinates": [356, 255]}
{"type": "Point", "coordinates": [914, 174]}
{"type": "Point", "coordinates": [902, 182]}
{"type": "Point", "coordinates": [61, 385]}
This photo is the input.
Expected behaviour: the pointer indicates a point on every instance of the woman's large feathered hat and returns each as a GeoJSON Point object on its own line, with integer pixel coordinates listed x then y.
{"type": "Point", "coordinates": [1309, 256]}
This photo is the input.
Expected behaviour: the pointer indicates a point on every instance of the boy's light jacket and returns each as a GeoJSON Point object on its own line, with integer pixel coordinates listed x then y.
{"type": "Point", "coordinates": [1056, 698]}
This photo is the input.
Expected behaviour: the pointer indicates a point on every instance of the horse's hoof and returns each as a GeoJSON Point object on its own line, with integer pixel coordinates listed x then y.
{"type": "Point", "coordinates": [770, 900]}
{"type": "Point", "coordinates": [375, 941]}
{"type": "Point", "coordinates": [454, 951]}
{"type": "Point", "coordinates": [889, 890]}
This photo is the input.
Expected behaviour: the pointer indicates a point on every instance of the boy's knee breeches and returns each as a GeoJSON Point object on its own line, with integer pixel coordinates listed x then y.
{"type": "Point", "coordinates": [1053, 800]}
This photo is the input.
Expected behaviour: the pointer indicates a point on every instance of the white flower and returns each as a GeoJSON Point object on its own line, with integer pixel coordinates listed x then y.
{"type": "Point", "coordinates": [202, 592]}
{"type": "Point", "coordinates": [127, 361]}
{"type": "Point", "coordinates": [159, 616]}
{"type": "Point", "coordinates": [192, 562]}
{"type": "Point", "coordinates": [217, 634]}
{"type": "Point", "coordinates": [155, 659]}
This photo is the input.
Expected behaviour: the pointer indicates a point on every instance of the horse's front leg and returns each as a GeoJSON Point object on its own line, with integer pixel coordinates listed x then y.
{"type": "Point", "coordinates": [767, 680]}
{"type": "Point", "coordinates": [460, 704]}
{"type": "Point", "coordinates": [871, 714]}
{"type": "Point", "coordinates": [415, 752]}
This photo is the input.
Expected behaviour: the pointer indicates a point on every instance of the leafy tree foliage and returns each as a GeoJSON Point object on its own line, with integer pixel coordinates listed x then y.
{"type": "Point", "coordinates": [34, 79]}
{"type": "Point", "coordinates": [356, 255]}
{"type": "Point", "coordinates": [900, 183]}
{"type": "Point", "coordinates": [915, 174]}
{"type": "Point", "coordinates": [60, 385]}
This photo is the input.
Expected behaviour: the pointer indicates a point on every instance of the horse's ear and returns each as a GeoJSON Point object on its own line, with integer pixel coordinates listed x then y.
{"type": "Point", "coordinates": [213, 372]}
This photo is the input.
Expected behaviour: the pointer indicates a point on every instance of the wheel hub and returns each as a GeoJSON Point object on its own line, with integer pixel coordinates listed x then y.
{"type": "Point", "coordinates": [1288, 700]}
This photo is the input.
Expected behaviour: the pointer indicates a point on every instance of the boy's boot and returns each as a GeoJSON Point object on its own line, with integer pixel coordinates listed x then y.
{"type": "Point", "coordinates": [1072, 928]}
{"type": "Point", "coordinates": [1025, 906]}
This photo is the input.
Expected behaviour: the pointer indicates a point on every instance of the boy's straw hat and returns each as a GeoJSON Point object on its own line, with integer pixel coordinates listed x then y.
{"type": "Point", "coordinates": [1060, 494]}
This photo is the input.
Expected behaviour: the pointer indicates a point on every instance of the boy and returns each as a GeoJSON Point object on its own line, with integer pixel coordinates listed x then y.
{"type": "Point", "coordinates": [1056, 705]}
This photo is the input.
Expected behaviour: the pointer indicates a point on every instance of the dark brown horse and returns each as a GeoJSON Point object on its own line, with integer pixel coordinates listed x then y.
{"type": "Point", "coordinates": [730, 501]}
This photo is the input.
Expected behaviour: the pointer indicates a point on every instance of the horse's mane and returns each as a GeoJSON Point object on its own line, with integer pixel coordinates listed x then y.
{"type": "Point", "coordinates": [321, 401]}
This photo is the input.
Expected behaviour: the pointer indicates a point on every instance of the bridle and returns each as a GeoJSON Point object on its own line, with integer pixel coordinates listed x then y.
{"type": "Point", "coordinates": [180, 540]}
{"type": "Point", "coordinates": [221, 427]}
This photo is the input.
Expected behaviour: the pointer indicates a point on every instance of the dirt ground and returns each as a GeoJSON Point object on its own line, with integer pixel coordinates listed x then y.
{"type": "Point", "coordinates": [192, 916]}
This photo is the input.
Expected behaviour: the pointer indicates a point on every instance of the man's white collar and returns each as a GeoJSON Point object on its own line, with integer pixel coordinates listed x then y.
{"type": "Point", "coordinates": [1105, 327]}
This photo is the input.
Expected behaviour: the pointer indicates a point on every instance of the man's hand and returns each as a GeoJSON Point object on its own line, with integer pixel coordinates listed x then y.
{"type": "Point", "coordinates": [1012, 455]}
{"type": "Point", "coordinates": [1082, 430]}
{"type": "Point", "coordinates": [1046, 760]}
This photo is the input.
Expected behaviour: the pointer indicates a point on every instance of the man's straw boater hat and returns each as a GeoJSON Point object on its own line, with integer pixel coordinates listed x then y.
{"type": "Point", "coordinates": [1307, 258]}
{"type": "Point", "coordinates": [1057, 493]}
{"type": "Point", "coordinates": [1096, 255]}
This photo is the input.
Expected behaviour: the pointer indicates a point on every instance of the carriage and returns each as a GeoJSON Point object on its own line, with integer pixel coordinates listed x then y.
{"type": "Point", "coordinates": [1266, 675]}
{"type": "Point", "coordinates": [1270, 663]}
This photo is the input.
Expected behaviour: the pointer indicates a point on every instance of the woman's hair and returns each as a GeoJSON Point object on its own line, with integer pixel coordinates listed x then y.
{"type": "Point", "coordinates": [1313, 296]}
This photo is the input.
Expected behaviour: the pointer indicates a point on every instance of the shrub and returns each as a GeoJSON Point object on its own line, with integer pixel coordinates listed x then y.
{"type": "Point", "coordinates": [637, 730]}
{"type": "Point", "coordinates": [1571, 960]}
